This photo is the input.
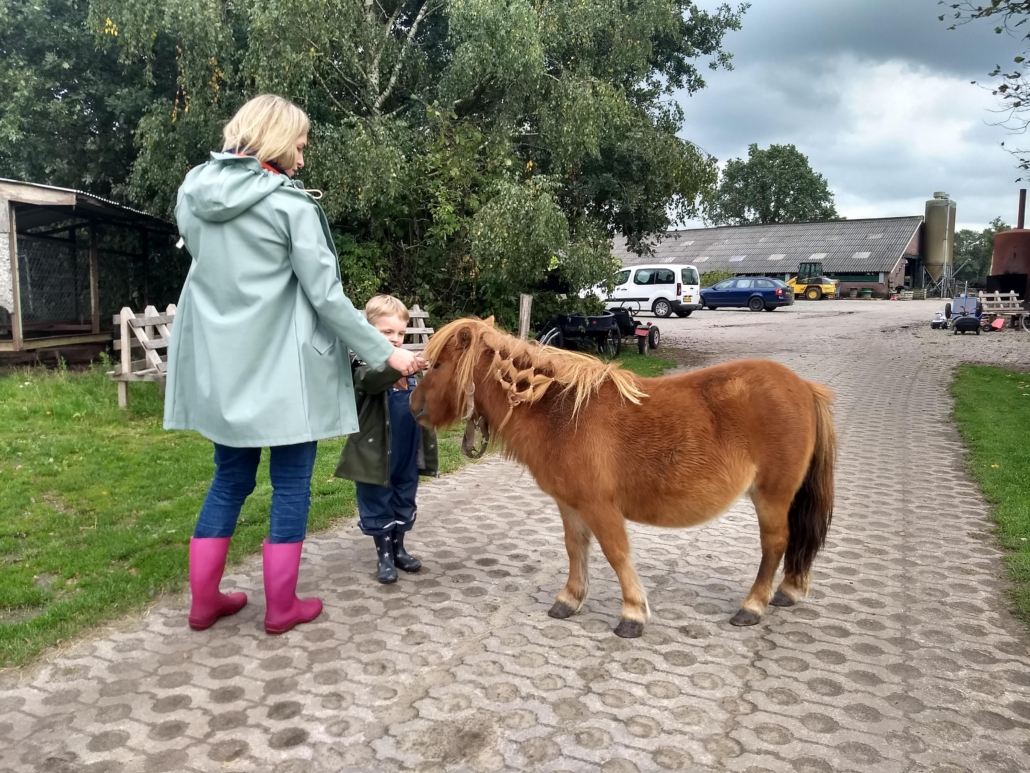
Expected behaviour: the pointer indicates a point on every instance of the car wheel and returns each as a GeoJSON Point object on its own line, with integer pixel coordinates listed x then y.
{"type": "Point", "coordinates": [813, 293]}
{"type": "Point", "coordinates": [682, 314]}
{"type": "Point", "coordinates": [662, 308]}
{"type": "Point", "coordinates": [947, 311]}
{"type": "Point", "coordinates": [770, 308]}
{"type": "Point", "coordinates": [711, 308]}
{"type": "Point", "coordinates": [551, 337]}
{"type": "Point", "coordinates": [756, 304]}
{"type": "Point", "coordinates": [654, 338]}
{"type": "Point", "coordinates": [609, 346]}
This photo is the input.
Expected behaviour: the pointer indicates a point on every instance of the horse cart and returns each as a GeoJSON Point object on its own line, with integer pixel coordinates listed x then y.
{"type": "Point", "coordinates": [604, 332]}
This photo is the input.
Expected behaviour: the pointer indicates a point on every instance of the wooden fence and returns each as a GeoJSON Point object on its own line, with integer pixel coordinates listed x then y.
{"type": "Point", "coordinates": [152, 330]}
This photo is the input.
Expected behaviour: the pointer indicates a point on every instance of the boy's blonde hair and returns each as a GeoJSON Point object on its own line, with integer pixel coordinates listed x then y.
{"type": "Point", "coordinates": [267, 127]}
{"type": "Point", "coordinates": [385, 306]}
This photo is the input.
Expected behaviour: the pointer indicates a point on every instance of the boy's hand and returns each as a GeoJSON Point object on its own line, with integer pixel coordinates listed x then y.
{"type": "Point", "coordinates": [421, 362]}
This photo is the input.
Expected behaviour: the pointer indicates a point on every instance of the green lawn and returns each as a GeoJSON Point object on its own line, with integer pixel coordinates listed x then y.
{"type": "Point", "coordinates": [992, 409]}
{"type": "Point", "coordinates": [646, 365]}
{"type": "Point", "coordinates": [98, 504]}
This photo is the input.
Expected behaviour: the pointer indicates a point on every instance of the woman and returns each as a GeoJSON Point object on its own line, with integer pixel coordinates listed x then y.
{"type": "Point", "coordinates": [258, 354]}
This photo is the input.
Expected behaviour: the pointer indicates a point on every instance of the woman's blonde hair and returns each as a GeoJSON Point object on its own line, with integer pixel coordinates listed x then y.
{"type": "Point", "coordinates": [385, 306]}
{"type": "Point", "coordinates": [267, 127]}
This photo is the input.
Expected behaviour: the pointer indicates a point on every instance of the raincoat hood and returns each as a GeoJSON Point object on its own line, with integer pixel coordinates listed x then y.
{"type": "Point", "coordinates": [227, 186]}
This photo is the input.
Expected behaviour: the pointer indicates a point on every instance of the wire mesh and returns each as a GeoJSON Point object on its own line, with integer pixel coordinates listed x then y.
{"type": "Point", "coordinates": [53, 281]}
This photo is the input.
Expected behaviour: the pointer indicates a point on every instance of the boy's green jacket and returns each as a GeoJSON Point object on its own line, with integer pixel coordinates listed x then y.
{"type": "Point", "coordinates": [366, 456]}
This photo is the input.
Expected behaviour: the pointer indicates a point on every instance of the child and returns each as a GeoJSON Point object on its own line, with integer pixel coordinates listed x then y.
{"type": "Point", "coordinates": [390, 450]}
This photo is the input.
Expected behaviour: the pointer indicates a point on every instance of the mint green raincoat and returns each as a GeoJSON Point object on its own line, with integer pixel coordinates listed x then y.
{"type": "Point", "coordinates": [258, 354]}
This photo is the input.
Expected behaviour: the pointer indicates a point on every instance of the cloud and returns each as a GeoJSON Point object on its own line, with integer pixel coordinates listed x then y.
{"type": "Point", "coordinates": [879, 98]}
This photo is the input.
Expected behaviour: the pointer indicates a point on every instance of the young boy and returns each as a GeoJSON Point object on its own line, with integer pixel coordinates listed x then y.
{"type": "Point", "coordinates": [390, 450]}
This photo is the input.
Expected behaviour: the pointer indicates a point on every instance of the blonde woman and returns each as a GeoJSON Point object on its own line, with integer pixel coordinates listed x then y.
{"type": "Point", "coordinates": [259, 350]}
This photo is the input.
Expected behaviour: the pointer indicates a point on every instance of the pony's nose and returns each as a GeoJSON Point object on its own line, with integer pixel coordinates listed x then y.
{"type": "Point", "coordinates": [418, 411]}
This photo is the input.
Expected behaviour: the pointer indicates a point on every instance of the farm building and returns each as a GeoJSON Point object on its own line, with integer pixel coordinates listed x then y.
{"type": "Point", "coordinates": [881, 253]}
{"type": "Point", "coordinates": [69, 260]}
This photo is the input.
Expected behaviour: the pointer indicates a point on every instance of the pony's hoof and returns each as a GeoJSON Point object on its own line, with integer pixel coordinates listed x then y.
{"type": "Point", "coordinates": [781, 599]}
{"type": "Point", "coordinates": [745, 617]}
{"type": "Point", "coordinates": [561, 611]}
{"type": "Point", "coordinates": [629, 629]}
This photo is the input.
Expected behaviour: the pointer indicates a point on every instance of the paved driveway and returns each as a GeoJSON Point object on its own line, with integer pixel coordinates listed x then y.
{"type": "Point", "coordinates": [904, 657]}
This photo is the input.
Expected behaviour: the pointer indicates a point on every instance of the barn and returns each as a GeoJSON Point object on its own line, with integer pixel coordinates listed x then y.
{"type": "Point", "coordinates": [882, 254]}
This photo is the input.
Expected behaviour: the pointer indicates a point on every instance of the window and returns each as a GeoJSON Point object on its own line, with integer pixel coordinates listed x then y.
{"type": "Point", "coordinates": [664, 276]}
{"type": "Point", "coordinates": [777, 256]}
{"type": "Point", "coordinates": [765, 284]}
{"type": "Point", "coordinates": [737, 258]}
{"type": "Point", "coordinates": [873, 236]}
{"type": "Point", "coordinates": [817, 256]}
{"type": "Point", "coordinates": [725, 284]}
{"type": "Point", "coordinates": [743, 284]}
{"type": "Point", "coordinates": [861, 255]}
{"type": "Point", "coordinates": [644, 276]}
{"type": "Point", "coordinates": [690, 276]}
{"type": "Point", "coordinates": [621, 278]}
{"type": "Point", "coordinates": [702, 259]}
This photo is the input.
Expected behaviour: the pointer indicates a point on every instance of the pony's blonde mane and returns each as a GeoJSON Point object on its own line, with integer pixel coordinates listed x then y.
{"type": "Point", "coordinates": [526, 367]}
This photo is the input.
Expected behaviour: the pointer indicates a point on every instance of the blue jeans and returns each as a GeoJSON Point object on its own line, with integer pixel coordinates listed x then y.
{"type": "Point", "coordinates": [290, 468]}
{"type": "Point", "coordinates": [383, 509]}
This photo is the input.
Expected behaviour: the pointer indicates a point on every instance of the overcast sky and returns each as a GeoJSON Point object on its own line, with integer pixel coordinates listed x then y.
{"type": "Point", "coordinates": [877, 94]}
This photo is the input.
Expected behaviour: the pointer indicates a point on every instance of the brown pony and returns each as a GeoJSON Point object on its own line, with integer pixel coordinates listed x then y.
{"type": "Point", "coordinates": [671, 451]}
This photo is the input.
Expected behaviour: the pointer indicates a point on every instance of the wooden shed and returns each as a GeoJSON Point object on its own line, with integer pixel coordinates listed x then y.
{"type": "Point", "coordinates": [69, 259]}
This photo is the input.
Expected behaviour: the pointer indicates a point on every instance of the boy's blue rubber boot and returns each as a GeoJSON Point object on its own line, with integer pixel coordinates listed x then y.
{"type": "Point", "coordinates": [387, 572]}
{"type": "Point", "coordinates": [401, 559]}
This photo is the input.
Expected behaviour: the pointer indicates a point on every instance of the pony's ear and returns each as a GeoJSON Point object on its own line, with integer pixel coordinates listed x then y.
{"type": "Point", "coordinates": [490, 321]}
{"type": "Point", "coordinates": [464, 338]}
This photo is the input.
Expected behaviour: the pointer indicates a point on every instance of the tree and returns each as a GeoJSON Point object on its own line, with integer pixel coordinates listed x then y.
{"type": "Point", "coordinates": [1013, 84]}
{"type": "Point", "coordinates": [68, 109]}
{"type": "Point", "coordinates": [976, 247]}
{"type": "Point", "coordinates": [773, 186]}
{"type": "Point", "coordinates": [468, 149]}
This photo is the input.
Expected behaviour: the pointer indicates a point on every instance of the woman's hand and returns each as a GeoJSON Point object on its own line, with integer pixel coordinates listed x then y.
{"type": "Point", "coordinates": [404, 362]}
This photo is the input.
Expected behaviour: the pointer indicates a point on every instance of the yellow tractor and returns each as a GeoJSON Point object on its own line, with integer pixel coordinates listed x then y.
{"type": "Point", "coordinates": [811, 284]}
{"type": "Point", "coordinates": [813, 287]}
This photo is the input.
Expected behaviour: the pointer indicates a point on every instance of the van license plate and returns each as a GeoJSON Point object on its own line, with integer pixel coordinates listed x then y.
{"type": "Point", "coordinates": [688, 298]}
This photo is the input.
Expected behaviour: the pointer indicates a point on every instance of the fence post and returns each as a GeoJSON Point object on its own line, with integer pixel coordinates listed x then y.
{"type": "Point", "coordinates": [525, 310]}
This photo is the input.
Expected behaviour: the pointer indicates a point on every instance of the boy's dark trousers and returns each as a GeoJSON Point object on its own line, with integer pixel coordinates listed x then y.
{"type": "Point", "coordinates": [384, 509]}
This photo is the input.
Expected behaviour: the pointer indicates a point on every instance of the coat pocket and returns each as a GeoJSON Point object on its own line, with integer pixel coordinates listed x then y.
{"type": "Point", "coordinates": [323, 339]}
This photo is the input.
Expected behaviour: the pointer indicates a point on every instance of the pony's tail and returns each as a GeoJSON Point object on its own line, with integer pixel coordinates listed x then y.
{"type": "Point", "coordinates": [812, 509]}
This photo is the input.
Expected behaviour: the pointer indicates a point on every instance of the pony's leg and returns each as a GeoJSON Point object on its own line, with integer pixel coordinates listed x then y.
{"type": "Point", "coordinates": [772, 508]}
{"type": "Point", "coordinates": [609, 527]}
{"type": "Point", "coordinates": [577, 543]}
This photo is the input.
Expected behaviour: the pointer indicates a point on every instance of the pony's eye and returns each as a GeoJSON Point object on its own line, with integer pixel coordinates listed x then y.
{"type": "Point", "coordinates": [436, 365]}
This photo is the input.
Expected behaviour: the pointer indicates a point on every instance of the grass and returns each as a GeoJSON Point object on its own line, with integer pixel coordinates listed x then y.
{"type": "Point", "coordinates": [644, 365]}
{"type": "Point", "coordinates": [992, 409]}
{"type": "Point", "coordinates": [99, 503]}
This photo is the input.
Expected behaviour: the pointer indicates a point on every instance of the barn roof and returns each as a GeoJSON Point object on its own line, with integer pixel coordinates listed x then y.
{"type": "Point", "coordinates": [843, 246]}
{"type": "Point", "coordinates": [40, 205]}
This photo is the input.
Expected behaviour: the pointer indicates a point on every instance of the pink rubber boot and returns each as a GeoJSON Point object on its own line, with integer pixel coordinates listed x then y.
{"type": "Point", "coordinates": [207, 562]}
{"type": "Point", "coordinates": [284, 610]}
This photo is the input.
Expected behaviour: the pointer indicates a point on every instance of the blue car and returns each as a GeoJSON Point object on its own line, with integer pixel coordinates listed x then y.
{"type": "Point", "coordinates": [755, 293]}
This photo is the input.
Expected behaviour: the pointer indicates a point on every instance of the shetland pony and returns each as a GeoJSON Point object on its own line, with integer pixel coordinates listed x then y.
{"type": "Point", "coordinates": [672, 451]}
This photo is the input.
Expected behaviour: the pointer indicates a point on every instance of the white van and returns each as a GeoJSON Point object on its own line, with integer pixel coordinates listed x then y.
{"type": "Point", "coordinates": [662, 289]}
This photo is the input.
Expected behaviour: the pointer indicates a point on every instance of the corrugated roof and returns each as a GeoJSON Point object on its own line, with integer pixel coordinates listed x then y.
{"type": "Point", "coordinates": [843, 246]}
{"type": "Point", "coordinates": [50, 210]}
